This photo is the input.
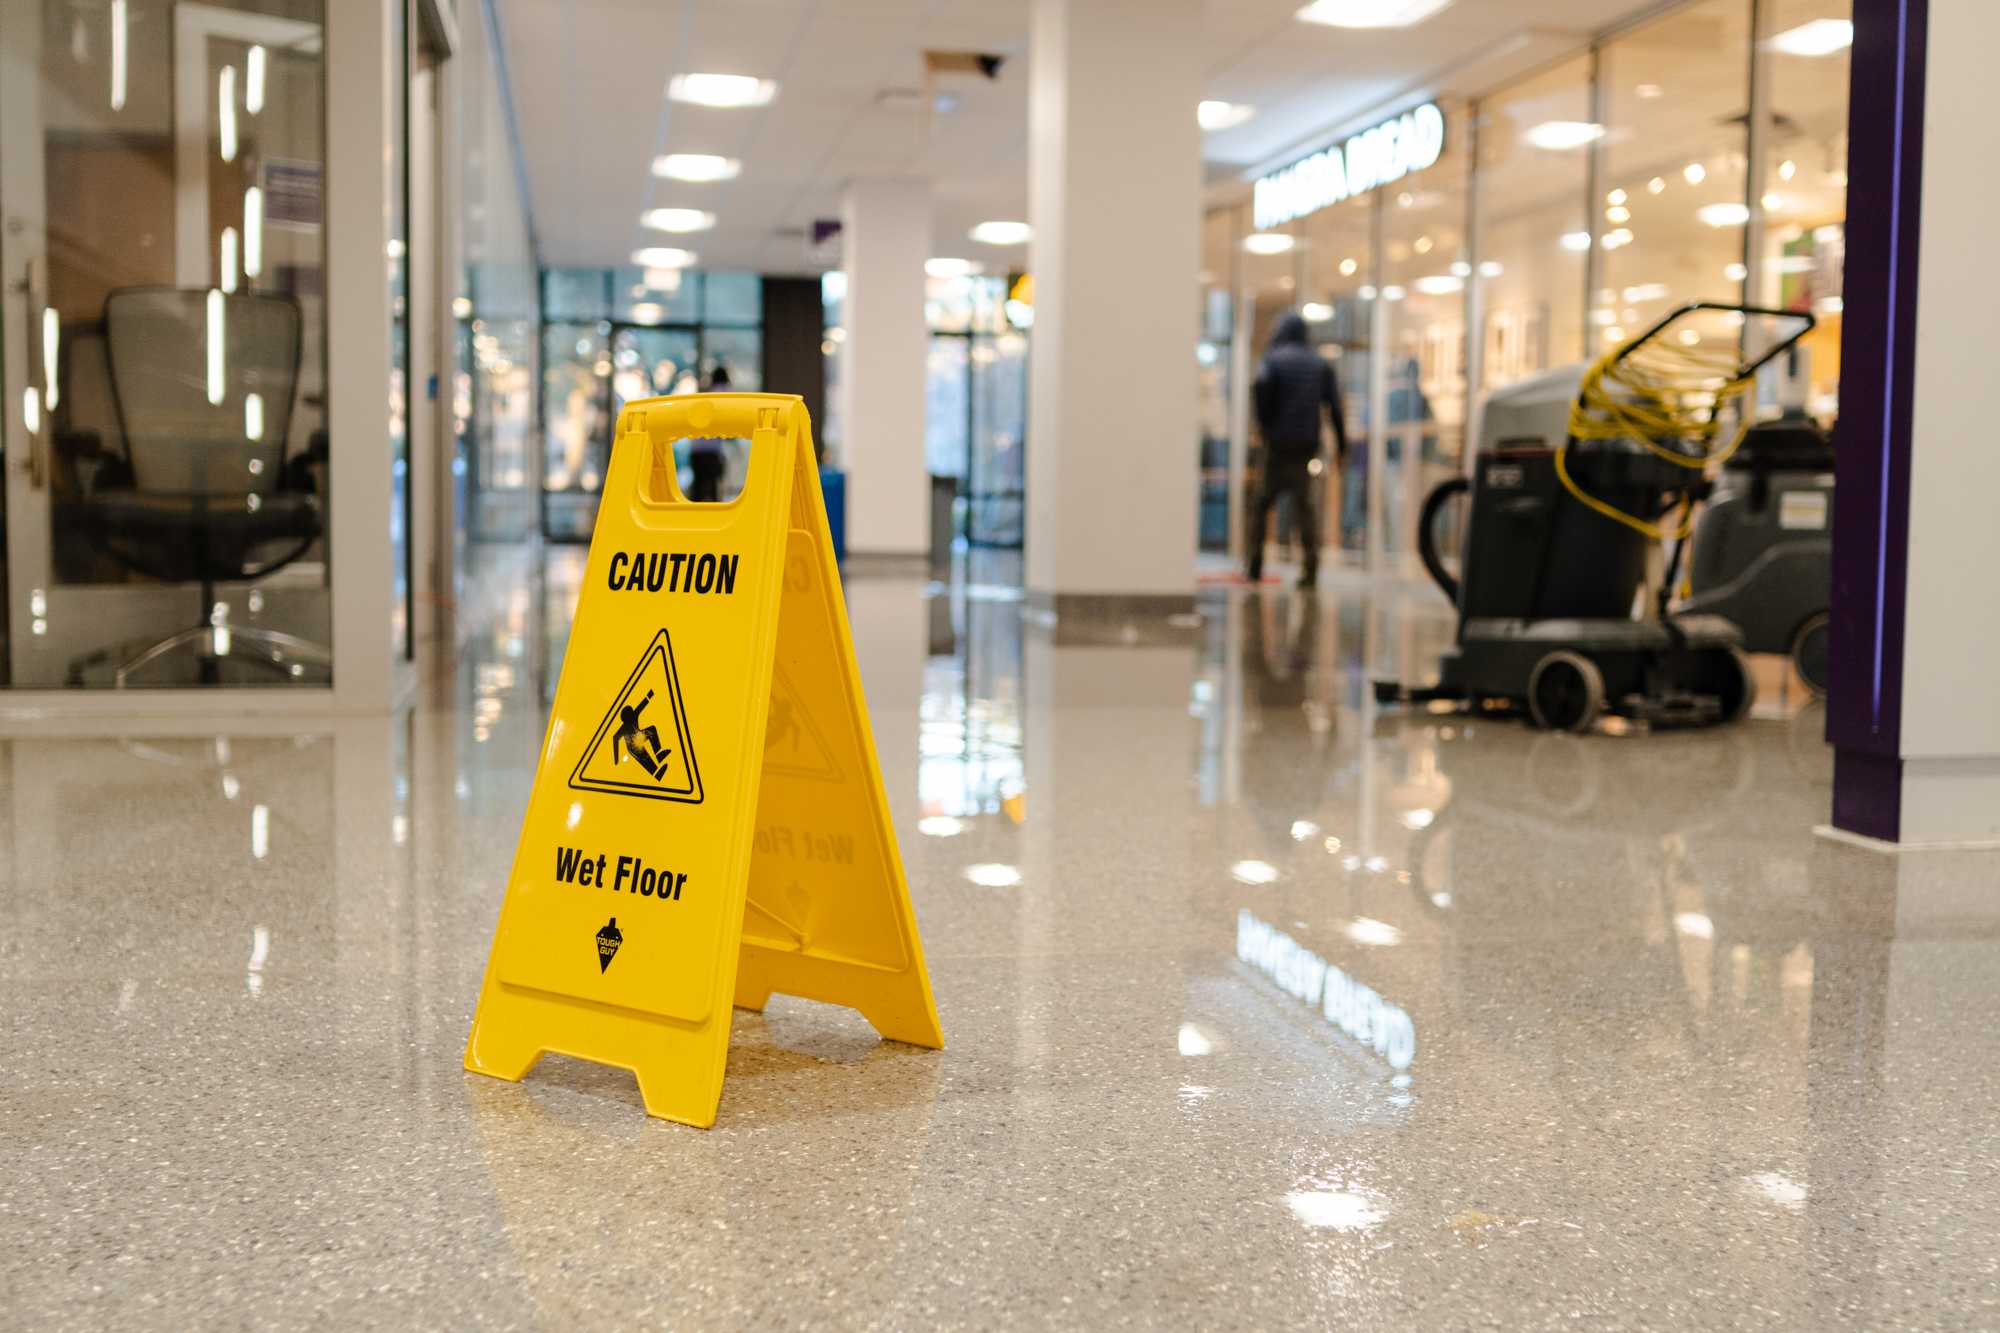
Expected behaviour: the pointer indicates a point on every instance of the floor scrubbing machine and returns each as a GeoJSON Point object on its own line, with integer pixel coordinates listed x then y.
{"type": "Point", "coordinates": [1563, 605]}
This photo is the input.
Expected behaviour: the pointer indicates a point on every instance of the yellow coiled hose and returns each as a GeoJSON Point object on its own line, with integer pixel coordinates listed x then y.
{"type": "Point", "coordinates": [1669, 396]}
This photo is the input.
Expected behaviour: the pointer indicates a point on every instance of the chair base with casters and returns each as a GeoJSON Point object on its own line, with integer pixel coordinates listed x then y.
{"type": "Point", "coordinates": [149, 533]}
{"type": "Point", "coordinates": [286, 656]}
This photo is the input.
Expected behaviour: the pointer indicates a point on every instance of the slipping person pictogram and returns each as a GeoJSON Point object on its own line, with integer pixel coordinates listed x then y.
{"type": "Point", "coordinates": [644, 746]}
{"type": "Point", "coordinates": [629, 736]}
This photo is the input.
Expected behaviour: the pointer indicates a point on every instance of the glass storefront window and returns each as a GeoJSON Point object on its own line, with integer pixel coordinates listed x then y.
{"type": "Point", "coordinates": [576, 425]}
{"type": "Point", "coordinates": [1534, 237]}
{"type": "Point", "coordinates": [575, 293]}
{"type": "Point", "coordinates": [648, 296]}
{"type": "Point", "coordinates": [629, 333]}
{"type": "Point", "coordinates": [1673, 162]}
{"type": "Point", "coordinates": [1805, 239]}
{"type": "Point", "coordinates": [1425, 267]}
{"type": "Point", "coordinates": [166, 213]}
{"type": "Point", "coordinates": [1341, 284]}
{"type": "Point", "coordinates": [1215, 361]}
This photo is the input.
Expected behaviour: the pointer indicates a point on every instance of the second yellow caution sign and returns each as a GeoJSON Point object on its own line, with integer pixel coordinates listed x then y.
{"type": "Point", "coordinates": [708, 823]}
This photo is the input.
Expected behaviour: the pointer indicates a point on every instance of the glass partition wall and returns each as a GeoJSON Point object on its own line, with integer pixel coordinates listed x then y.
{"type": "Point", "coordinates": [1697, 155]}
{"type": "Point", "coordinates": [163, 169]}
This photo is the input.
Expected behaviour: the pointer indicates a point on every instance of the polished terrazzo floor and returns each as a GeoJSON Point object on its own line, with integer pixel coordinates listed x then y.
{"type": "Point", "coordinates": [1261, 1010]}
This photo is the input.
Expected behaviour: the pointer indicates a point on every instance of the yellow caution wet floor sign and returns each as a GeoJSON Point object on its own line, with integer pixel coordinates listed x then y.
{"type": "Point", "coordinates": [708, 824]}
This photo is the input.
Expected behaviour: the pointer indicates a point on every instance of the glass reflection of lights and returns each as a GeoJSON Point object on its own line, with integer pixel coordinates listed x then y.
{"type": "Point", "coordinates": [1778, 1188]}
{"type": "Point", "coordinates": [1336, 1210]}
{"type": "Point", "coordinates": [1355, 1009]}
{"type": "Point", "coordinates": [1419, 818]}
{"type": "Point", "coordinates": [1304, 830]}
{"type": "Point", "coordinates": [1255, 872]}
{"type": "Point", "coordinates": [260, 951]}
{"type": "Point", "coordinates": [992, 875]}
{"type": "Point", "coordinates": [1194, 1041]}
{"type": "Point", "coordinates": [1694, 924]}
{"type": "Point", "coordinates": [1367, 930]}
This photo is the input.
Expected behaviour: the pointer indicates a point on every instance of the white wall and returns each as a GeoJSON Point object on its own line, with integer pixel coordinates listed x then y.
{"type": "Point", "coordinates": [1951, 688]}
{"type": "Point", "coordinates": [886, 235]}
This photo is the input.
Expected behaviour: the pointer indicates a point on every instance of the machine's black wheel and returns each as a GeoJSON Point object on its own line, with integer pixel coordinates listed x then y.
{"type": "Point", "coordinates": [1565, 692]}
{"type": "Point", "coordinates": [1726, 675]}
{"type": "Point", "coordinates": [1810, 652]}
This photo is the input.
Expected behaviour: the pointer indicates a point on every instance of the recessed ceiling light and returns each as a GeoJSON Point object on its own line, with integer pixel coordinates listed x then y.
{"type": "Point", "coordinates": [677, 219]}
{"type": "Point", "coordinates": [1222, 115]}
{"type": "Point", "coordinates": [1002, 233]}
{"type": "Point", "coordinates": [1348, 268]}
{"type": "Point", "coordinates": [663, 256]}
{"type": "Point", "coordinates": [1724, 215]}
{"type": "Point", "coordinates": [1821, 37]}
{"type": "Point", "coordinates": [1616, 240]}
{"type": "Point", "coordinates": [1439, 284]}
{"type": "Point", "coordinates": [949, 266]}
{"type": "Point", "coordinates": [696, 167]}
{"type": "Point", "coordinates": [1694, 173]}
{"type": "Point", "coordinates": [1649, 91]}
{"type": "Point", "coordinates": [1315, 312]}
{"type": "Point", "coordinates": [1370, 13]}
{"type": "Point", "coordinates": [1576, 241]}
{"type": "Point", "coordinates": [1562, 135]}
{"type": "Point", "coordinates": [1657, 185]}
{"type": "Point", "coordinates": [725, 90]}
{"type": "Point", "coordinates": [1269, 242]}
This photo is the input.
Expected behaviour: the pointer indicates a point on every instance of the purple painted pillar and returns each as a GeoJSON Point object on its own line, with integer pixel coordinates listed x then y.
{"type": "Point", "coordinates": [1873, 442]}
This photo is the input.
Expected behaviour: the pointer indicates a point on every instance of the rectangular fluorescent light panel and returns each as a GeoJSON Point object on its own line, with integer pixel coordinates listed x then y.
{"type": "Point", "coordinates": [1370, 13]}
{"type": "Point", "coordinates": [722, 90]}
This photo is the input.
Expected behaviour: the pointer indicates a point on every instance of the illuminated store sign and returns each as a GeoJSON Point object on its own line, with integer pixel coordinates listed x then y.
{"type": "Point", "coordinates": [1340, 999]}
{"type": "Point", "coordinates": [1374, 157]}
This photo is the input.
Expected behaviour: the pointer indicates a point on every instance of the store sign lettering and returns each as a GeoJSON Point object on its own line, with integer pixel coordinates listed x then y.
{"type": "Point", "coordinates": [1374, 157]}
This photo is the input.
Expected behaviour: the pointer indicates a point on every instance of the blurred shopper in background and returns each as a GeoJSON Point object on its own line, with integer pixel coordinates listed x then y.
{"type": "Point", "coordinates": [1293, 384]}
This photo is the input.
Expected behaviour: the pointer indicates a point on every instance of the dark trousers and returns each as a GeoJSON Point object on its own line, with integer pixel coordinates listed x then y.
{"type": "Point", "coordinates": [1281, 477]}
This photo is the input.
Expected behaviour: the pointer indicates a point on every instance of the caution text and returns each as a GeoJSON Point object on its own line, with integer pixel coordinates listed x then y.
{"type": "Point", "coordinates": [672, 571]}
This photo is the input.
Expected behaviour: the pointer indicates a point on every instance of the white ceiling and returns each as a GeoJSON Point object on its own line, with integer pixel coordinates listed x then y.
{"type": "Point", "coordinates": [589, 78]}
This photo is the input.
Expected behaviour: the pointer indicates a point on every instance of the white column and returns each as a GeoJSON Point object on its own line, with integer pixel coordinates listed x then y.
{"type": "Point", "coordinates": [367, 676]}
{"type": "Point", "coordinates": [1951, 706]}
{"type": "Point", "coordinates": [1114, 188]}
{"type": "Point", "coordinates": [885, 229]}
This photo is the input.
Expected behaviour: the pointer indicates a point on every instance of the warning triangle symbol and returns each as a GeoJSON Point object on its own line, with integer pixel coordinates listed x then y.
{"type": "Point", "coordinates": [642, 747]}
{"type": "Point", "coordinates": [793, 743]}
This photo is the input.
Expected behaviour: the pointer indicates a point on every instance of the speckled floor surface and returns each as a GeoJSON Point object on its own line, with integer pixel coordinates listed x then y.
{"type": "Point", "coordinates": [1296, 1016]}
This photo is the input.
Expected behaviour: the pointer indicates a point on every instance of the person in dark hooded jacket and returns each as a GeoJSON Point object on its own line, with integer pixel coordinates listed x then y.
{"type": "Point", "coordinates": [1293, 384]}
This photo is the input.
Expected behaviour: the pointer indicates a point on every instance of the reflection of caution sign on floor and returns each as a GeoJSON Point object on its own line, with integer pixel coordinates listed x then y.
{"type": "Point", "coordinates": [643, 747]}
{"type": "Point", "coordinates": [793, 746]}
{"type": "Point", "coordinates": [769, 865]}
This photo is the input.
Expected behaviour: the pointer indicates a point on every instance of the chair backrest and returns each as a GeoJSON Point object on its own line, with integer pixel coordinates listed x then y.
{"type": "Point", "coordinates": [204, 384]}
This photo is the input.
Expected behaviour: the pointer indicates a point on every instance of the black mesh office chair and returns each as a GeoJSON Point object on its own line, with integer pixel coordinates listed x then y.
{"type": "Point", "coordinates": [203, 492]}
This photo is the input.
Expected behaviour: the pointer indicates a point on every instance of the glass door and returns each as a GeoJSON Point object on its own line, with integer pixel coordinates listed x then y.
{"type": "Point", "coordinates": [162, 182]}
